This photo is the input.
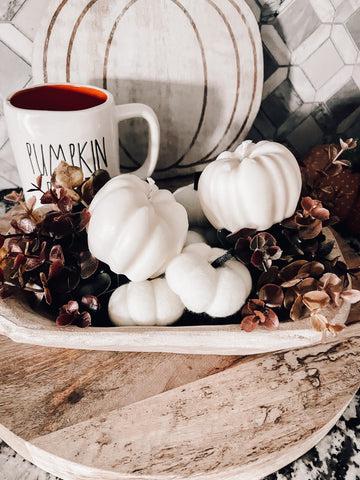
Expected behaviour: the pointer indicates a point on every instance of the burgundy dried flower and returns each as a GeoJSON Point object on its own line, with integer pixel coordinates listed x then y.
{"type": "Point", "coordinates": [309, 221]}
{"type": "Point", "coordinates": [256, 312]}
{"type": "Point", "coordinates": [259, 249]}
{"type": "Point", "coordinates": [69, 315]}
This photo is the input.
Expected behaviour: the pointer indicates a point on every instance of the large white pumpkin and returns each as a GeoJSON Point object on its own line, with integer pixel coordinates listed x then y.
{"type": "Point", "coordinates": [255, 186]}
{"type": "Point", "coordinates": [219, 292]}
{"type": "Point", "coordinates": [136, 228]}
{"type": "Point", "coordinates": [150, 302]}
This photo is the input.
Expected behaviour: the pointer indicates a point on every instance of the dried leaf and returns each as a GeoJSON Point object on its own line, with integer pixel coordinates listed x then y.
{"type": "Point", "coordinates": [49, 197]}
{"type": "Point", "coordinates": [268, 276]}
{"type": "Point", "coordinates": [243, 233]}
{"type": "Point", "coordinates": [84, 220]}
{"type": "Point", "coordinates": [351, 295]}
{"type": "Point", "coordinates": [334, 329]}
{"type": "Point", "coordinates": [25, 225]}
{"type": "Point", "coordinates": [296, 309]}
{"type": "Point", "coordinates": [315, 299]}
{"type": "Point", "coordinates": [271, 320]}
{"type": "Point", "coordinates": [260, 315]}
{"type": "Point", "coordinates": [88, 264]}
{"type": "Point", "coordinates": [91, 302]}
{"type": "Point", "coordinates": [325, 248]}
{"type": "Point", "coordinates": [343, 145]}
{"type": "Point", "coordinates": [318, 321]}
{"type": "Point", "coordinates": [72, 307]}
{"type": "Point", "coordinates": [14, 245]}
{"type": "Point", "coordinates": [255, 304]}
{"type": "Point", "coordinates": [330, 279]}
{"type": "Point", "coordinates": [19, 259]}
{"type": "Point", "coordinates": [249, 323]}
{"type": "Point", "coordinates": [313, 269]}
{"type": "Point", "coordinates": [55, 268]}
{"type": "Point", "coordinates": [67, 176]}
{"type": "Point", "coordinates": [343, 162]}
{"type": "Point", "coordinates": [64, 319]}
{"type": "Point", "coordinates": [56, 253]}
{"type": "Point", "coordinates": [290, 271]}
{"type": "Point", "coordinates": [90, 188]}
{"type": "Point", "coordinates": [348, 144]}
{"type": "Point", "coordinates": [64, 203]}
{"type": "Point", "coordinates": [307, 285]}
{"type": "Point", "coordinates": [257, 259]}
{"type": "Point", "coordinates": [320, 213]}
{"type": "Point", "coordinates": [272, 295]}
{"type": "Point", "coordinates": [311, 231]}
{"type": "Point", "coordinates": [307, 203]}
{"type": "Point", "coordinates": [14, 197]}
{"type": "Point", "coordinates": [291, 283]}
{"type": "Point", "coordinates": [34, 262]}
{"type": "Point", "coordinates": [274, 252]}
{"type": "Point", "coordinates": [289, 298]}
{"type": "Point", "coordinates": [84, 320]}
{"type": "Point", "coordinates": [47, 293]}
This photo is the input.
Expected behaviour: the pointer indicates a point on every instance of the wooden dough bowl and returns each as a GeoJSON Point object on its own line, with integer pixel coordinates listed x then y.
{"type": "Point", "coordinates": [22, 324]}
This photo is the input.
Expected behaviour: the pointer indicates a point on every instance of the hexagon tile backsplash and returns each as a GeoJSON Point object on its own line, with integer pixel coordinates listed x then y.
{"type": "Point", "coordinates": [311, 88]}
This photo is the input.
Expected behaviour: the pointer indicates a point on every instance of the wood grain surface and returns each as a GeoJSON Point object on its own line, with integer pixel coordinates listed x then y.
{"type": "Point", "coordinates": [112, 415]}
{"type": "Point", "coordinates": [199, 65]}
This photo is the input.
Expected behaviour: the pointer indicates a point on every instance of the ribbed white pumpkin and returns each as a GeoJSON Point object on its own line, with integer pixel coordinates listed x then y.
{"type": "Point", "coordinates": [136, 228]}
{"type": "Point", "coordinates": [150, 302]}
{"type": "Point", "coordinates": [189, 198]}
{"type": "Point", "coordinates": [219, 292]}
{"type": "Point", "coordinates": [257, 185]}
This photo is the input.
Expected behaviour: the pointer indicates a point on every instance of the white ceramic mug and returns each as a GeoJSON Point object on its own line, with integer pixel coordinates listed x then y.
{"type": "Point", "coordinates": [75, 123]}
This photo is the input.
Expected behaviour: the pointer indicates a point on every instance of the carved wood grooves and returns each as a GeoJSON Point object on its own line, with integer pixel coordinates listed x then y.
{"type": "Point", "coordinates": [233, 97]}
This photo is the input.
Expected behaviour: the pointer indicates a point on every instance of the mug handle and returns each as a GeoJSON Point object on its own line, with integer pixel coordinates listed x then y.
{"type": "Point", "coordinates": [132, 110]}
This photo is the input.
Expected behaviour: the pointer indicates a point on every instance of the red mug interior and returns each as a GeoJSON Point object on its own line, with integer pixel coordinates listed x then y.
{"type": "Point", "coordinates": [64, 98]}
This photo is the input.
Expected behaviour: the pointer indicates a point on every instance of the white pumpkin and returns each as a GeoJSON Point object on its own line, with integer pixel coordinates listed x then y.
{"type": "Point", "coordinates": [136, 228]}
{"type": "Point", "coordinates": [189, 198]}
{"type": "Point", "coordinates": [194, 236]}
{"type": "Point", "coordinates": [219, 292]}
{"type": "Point", "coordinates": [150, 302]}
{"type": "Point", "coordinates": [255, 186]}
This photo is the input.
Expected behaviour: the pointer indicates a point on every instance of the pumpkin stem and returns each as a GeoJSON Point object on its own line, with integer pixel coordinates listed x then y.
{"type": "Point", "coordinates": [220, 261]}
{"type": "Point", "coordinates": [153, 187]}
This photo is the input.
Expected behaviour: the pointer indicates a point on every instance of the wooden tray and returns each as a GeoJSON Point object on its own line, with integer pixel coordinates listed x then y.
{"type": "Point", "coordinates": [22, 324]}
{"type": "Point", "coordinates": [198, 64]}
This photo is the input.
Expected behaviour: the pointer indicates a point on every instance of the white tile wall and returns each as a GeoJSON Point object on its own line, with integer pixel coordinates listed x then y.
{"type": "Point", "coordinates": [322, 65]}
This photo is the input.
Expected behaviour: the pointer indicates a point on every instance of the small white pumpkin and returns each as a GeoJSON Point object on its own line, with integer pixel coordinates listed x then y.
{"type": "Point", "coordinates": [194, 236]}
{"type": "Point", "coordinates": [136, 228]}
{"type": "Point", "coordinates": [150, 302]}
{"type": "Point", "coordinates": [219, 292]}
{"type": "Point", "coordinates": [189, 198]}
{"type": "Point", "coordinates": [255, 186]}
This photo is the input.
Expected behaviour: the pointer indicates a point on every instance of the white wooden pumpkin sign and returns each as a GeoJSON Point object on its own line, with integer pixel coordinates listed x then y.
{"type": "Point", "coordinates": [198, 64]}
